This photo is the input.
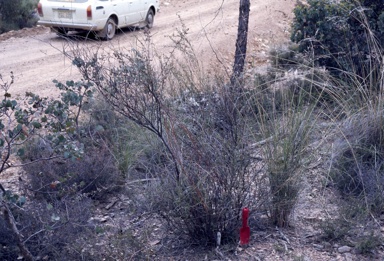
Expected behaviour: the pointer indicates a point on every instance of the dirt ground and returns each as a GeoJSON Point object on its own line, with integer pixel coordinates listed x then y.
{"type": "Point", "coordinates": [35, 55]}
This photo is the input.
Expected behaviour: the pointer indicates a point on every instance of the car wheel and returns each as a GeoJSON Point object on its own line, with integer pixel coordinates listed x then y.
{"type": "Point", "coordinates": [109, 30]}
{"type": "Point", "coordinates": [150, 18]}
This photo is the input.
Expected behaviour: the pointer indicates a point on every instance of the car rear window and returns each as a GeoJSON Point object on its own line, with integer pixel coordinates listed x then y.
{"type": "Point", "coordinates": [71, 1]}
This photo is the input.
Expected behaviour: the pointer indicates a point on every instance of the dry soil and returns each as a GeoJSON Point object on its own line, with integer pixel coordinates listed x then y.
{"type": "Point", "coordinates": [35, 55]}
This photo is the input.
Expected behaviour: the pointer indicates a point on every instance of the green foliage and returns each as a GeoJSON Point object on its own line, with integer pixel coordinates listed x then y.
{"type": "Point", "coordinates": [90, 167]}
{"type": "Point", "coordinates": [12, 198]}
{"type": "Point", "coordinates": [38, 130]}
{"type": "Point", "coordinates": [17, 14]}
{"type": "Point", "coordinates": [67, 162]}
{"type": "Point", "coordinates": [344, 36]}
{"type": "Point", "coordinates": [368, 243]}
{"type": "Point", "coordinates": [285, 126]}
{"type": "Point", "coordinates": [335, 230]}
{"type": "Point", "coordinates": [286, 57]}
{"type": "Point", "coordinates": [21, 121]}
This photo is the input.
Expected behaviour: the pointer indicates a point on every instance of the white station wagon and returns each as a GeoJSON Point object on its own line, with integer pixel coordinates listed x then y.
{"type": "Point", "coordinates": [100, 16]}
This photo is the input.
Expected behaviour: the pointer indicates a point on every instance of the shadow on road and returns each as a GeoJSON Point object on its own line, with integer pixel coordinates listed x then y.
{"type": "Point", "coordinates": [91, 36]}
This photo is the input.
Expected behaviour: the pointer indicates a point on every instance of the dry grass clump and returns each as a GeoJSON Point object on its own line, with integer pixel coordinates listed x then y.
{"type": "Point", "coordinates": [358, 161]}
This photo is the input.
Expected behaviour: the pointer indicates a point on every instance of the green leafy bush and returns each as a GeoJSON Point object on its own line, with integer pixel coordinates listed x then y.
{"type": "Point", "coordinates": [68, 157]}
{"type": "Point", "coordinates": [17, 14]}
{"type": "Point", "coordinates": [345, 36]}
{"type": "Point", "coordinates": [94, 172]}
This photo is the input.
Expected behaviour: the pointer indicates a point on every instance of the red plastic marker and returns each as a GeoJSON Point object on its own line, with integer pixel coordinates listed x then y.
{"type": "Point", "coordinates": [245, 231]}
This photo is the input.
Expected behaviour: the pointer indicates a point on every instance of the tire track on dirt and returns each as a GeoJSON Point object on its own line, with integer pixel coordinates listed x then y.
{"type": "Point", "coordinates": [37, 59]}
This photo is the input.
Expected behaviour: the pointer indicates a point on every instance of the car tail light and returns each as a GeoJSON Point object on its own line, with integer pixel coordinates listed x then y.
{"type": "Point", "coordinates": [40, 9]}
{"type": "Point", "coordinates": [89, 12]}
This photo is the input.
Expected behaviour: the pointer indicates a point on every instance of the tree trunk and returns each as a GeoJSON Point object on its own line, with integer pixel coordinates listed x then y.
{"type": "Point", "coordinates": [241, 43]}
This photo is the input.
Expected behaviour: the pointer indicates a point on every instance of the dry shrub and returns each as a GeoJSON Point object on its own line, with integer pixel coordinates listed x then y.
{"type": "Point", "coordinates": [51, 230]}
{"type": "Point", "coordinates": [95, 174]}
{"type": "Point", "coordinates": [204, 167]}
{"type": "Point", "coordinates": [8, 243]}
{"type": "Point", "coordinates": [217, 175]}
{"type": "Point", "coordinates": [204, 172]}
{"type": "Point", "coordinates": [358, 161]}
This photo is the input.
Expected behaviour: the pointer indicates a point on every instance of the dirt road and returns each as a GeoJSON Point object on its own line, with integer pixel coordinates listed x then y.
{"type": "Point", "coordinates": [35, 55]}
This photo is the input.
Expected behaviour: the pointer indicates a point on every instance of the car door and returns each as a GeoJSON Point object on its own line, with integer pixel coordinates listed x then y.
{"type": "Point", "coordinates": [137, 11]}
{"type": "Point", "coordinates": [120, 8]}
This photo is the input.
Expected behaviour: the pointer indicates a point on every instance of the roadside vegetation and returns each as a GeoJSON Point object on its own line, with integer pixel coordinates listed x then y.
{"type": "Point", "coordinates": [17, 14]}
{"type": "Point", "coordinates": [187, 148]}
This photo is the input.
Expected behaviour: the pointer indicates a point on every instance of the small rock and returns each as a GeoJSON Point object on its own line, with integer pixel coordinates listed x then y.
{"type": "Point", "coordinates": [344, 249]}
{"type": "Point", "coordinates": [348, 257]}
{"type": "Point", "coordinates": [154, 242]}
{"type": "Point", "coordinates": [104, 219]}
{"type": "Point", "coordinates": [100, 219]}
{"type": "Point", "coordinates": [318, 246]}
